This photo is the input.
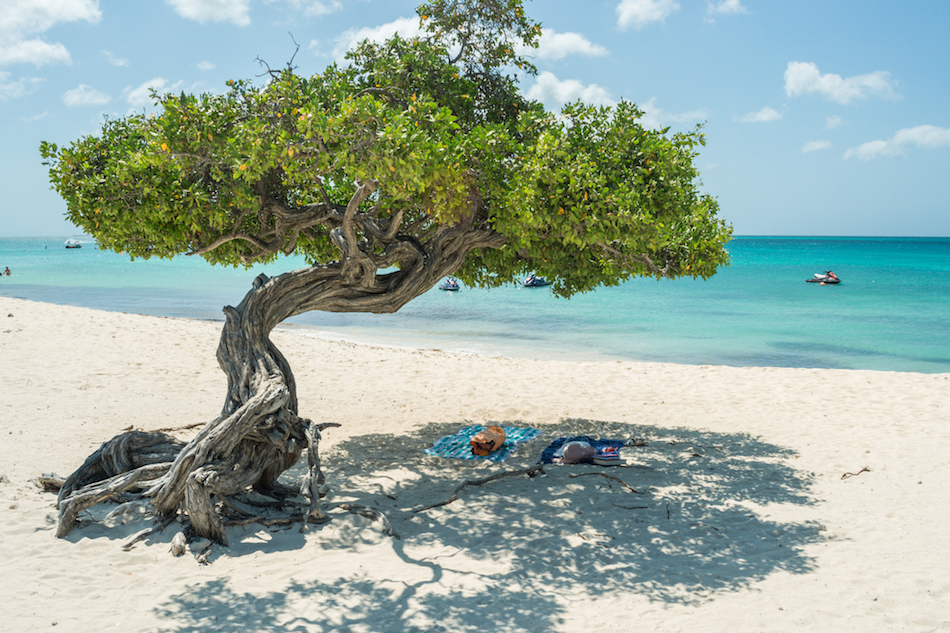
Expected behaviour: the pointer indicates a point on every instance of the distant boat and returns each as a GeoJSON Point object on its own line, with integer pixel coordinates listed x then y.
{"type": "Point", "coordinates": [73, 244]}
{"type": "Point", "coordinates": [451, 284]}
{"type": "Point", "coordinates": [826, 277]}
{"type": "Point", "coordinates": [533, 281]}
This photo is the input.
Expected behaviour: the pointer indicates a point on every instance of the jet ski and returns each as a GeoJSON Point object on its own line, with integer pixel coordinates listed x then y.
{"type": "Point", "coordinates": [826, 277]}
{"type": "Point", "coordinates": [451, 284]}
{"type": "Point", "coordinates": [533, 281]}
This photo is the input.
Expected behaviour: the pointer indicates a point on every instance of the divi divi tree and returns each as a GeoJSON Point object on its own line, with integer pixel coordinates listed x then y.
{"type": "Point", "coordinates": [416, 159]}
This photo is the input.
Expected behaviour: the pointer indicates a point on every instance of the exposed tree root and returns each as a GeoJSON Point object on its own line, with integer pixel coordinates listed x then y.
{"type": "Point", "coordinates": [71, 506]}
{"type": "Point", "coordinates": [123, 453]}
{"type": "Point", "coordinates": [136, 447]}
{"type": "Point", "coordinates": [164, 523]}
{"type": "Point", "coordinates": [49, 482]}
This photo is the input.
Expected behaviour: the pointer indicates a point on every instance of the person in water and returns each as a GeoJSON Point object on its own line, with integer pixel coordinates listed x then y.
{"type": "Point", "coordinates": [7, 271]}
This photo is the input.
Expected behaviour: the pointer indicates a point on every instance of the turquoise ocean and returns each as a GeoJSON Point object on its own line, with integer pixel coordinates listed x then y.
{"type": "Point", "coordinates": [891, 312]}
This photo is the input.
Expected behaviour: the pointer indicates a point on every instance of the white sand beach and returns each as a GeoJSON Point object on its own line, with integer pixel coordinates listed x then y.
{"type": "Point", "coordinates": [765, 499]}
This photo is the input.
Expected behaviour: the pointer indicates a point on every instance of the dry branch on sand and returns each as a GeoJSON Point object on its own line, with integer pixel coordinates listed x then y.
{"type": "Point", "coordinates": [529, 472]}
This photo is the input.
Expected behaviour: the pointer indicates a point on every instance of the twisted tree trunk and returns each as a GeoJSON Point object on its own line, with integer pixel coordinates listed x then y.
{"type": "Point", "coordinates": [259, 433]}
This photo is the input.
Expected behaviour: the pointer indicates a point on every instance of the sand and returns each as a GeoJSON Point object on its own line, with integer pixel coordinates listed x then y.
{"type": "Point", "coordinates": [765, 499]}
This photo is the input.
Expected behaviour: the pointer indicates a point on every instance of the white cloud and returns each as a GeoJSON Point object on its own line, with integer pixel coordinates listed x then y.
{"type": "Point", "coordinates": [235, 11]}
{"type": "Point", "coordinates": [406, 27]}
{"type": "Point", "coordinates": [656, 118]}
{"type": "Point", "coordinates": [922, 136]}
{"type": "Point", "coordinates": [20, 19]}
{"type": "Point", "coordinates": [85, 95]}
{"type": "Point", "coordinates": [833, 121]}
{"type": "Point", "coordinates": [764, 115]}
{"type": "Point", "coordinates": [36, 52]}
{"type": "Point", "coordinates": [872, 149]}
{"type": "Point", "coordinates": [805, 78]}
{"type": "Point", "coordinates": [114, 60]}
{"type": "Point", "coordinates": [814, 146]}
{"type": "Point", "coordinates": [725, 7]}
{"type": "Point", "coordinates": [554, 45]}
{"type": "Point", "coordinates": [313, 8]}
{"type": "Point", "coordinates": [141, 95]}
{"type": "Point", "coordinates": [37, 117]}
{"type": "Point", "coordinates": [28, 17]}
{"type": "Point", "coordinates": [554, 93]}
{"type": "Point", "coordinates": [639, 13]}
{"type": "Point", "coordinates": [19, 88]}
{"type": "Point", "coordinates": [206, 66]}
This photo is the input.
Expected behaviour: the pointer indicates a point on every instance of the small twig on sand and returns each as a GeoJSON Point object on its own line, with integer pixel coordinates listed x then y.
{"type": "Point", "coordinates": [612, 478]}
{"type": "Point", "coordinates": [629, 507]}
{"type": "Point", "coordinates": [178, 428]}
{"type": "Point", "coordinates": [530, 472]}
{"type": "Point", "coordinates": [863, 470]}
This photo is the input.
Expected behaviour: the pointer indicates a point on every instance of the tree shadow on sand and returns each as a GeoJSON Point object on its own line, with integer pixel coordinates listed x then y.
{"type": "Point", "coordinates": [698, 522]}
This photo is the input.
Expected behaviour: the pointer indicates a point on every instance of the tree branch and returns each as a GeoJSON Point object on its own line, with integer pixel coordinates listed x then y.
{"type": "Point", "coordinates": [642, 259]}
{"type": "Point", "coordinates": [530, 472]}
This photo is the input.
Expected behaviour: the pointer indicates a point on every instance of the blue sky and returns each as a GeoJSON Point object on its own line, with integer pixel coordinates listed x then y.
{"type": "Point", "coordinates": [822, 118]}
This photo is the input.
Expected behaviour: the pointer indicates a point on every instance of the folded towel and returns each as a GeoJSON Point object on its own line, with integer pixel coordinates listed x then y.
{"type": "Point", "coordinates": [602, 446]}
{"type": "Point", "coordinates": [458, 445]}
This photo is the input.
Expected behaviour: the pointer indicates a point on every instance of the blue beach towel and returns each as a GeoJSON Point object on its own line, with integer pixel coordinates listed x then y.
{"type": "Point", "coordinates": [547, 455]}
{"type": "Point", "coordinates": [458, 445]}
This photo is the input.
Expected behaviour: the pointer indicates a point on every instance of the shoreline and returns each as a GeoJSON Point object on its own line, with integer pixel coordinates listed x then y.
{"type": "Point", "coordinates": [466, 344]}
{"type": "Point", "coordinates": [408, 342]}
{"type": "Point", "coordinates": [757, 312]}
{"type": "Point", "coordinates": [769, 499]}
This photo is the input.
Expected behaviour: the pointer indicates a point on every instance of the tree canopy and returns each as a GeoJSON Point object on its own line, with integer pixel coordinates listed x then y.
{"type": "Point", "coordinates": [408, 138]}
{"type": "Point", "coordinates": [416, 159]}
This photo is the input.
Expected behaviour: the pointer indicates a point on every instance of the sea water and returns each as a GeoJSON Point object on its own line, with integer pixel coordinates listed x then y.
{"type": "Point", "coordinates": [891, 311]}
